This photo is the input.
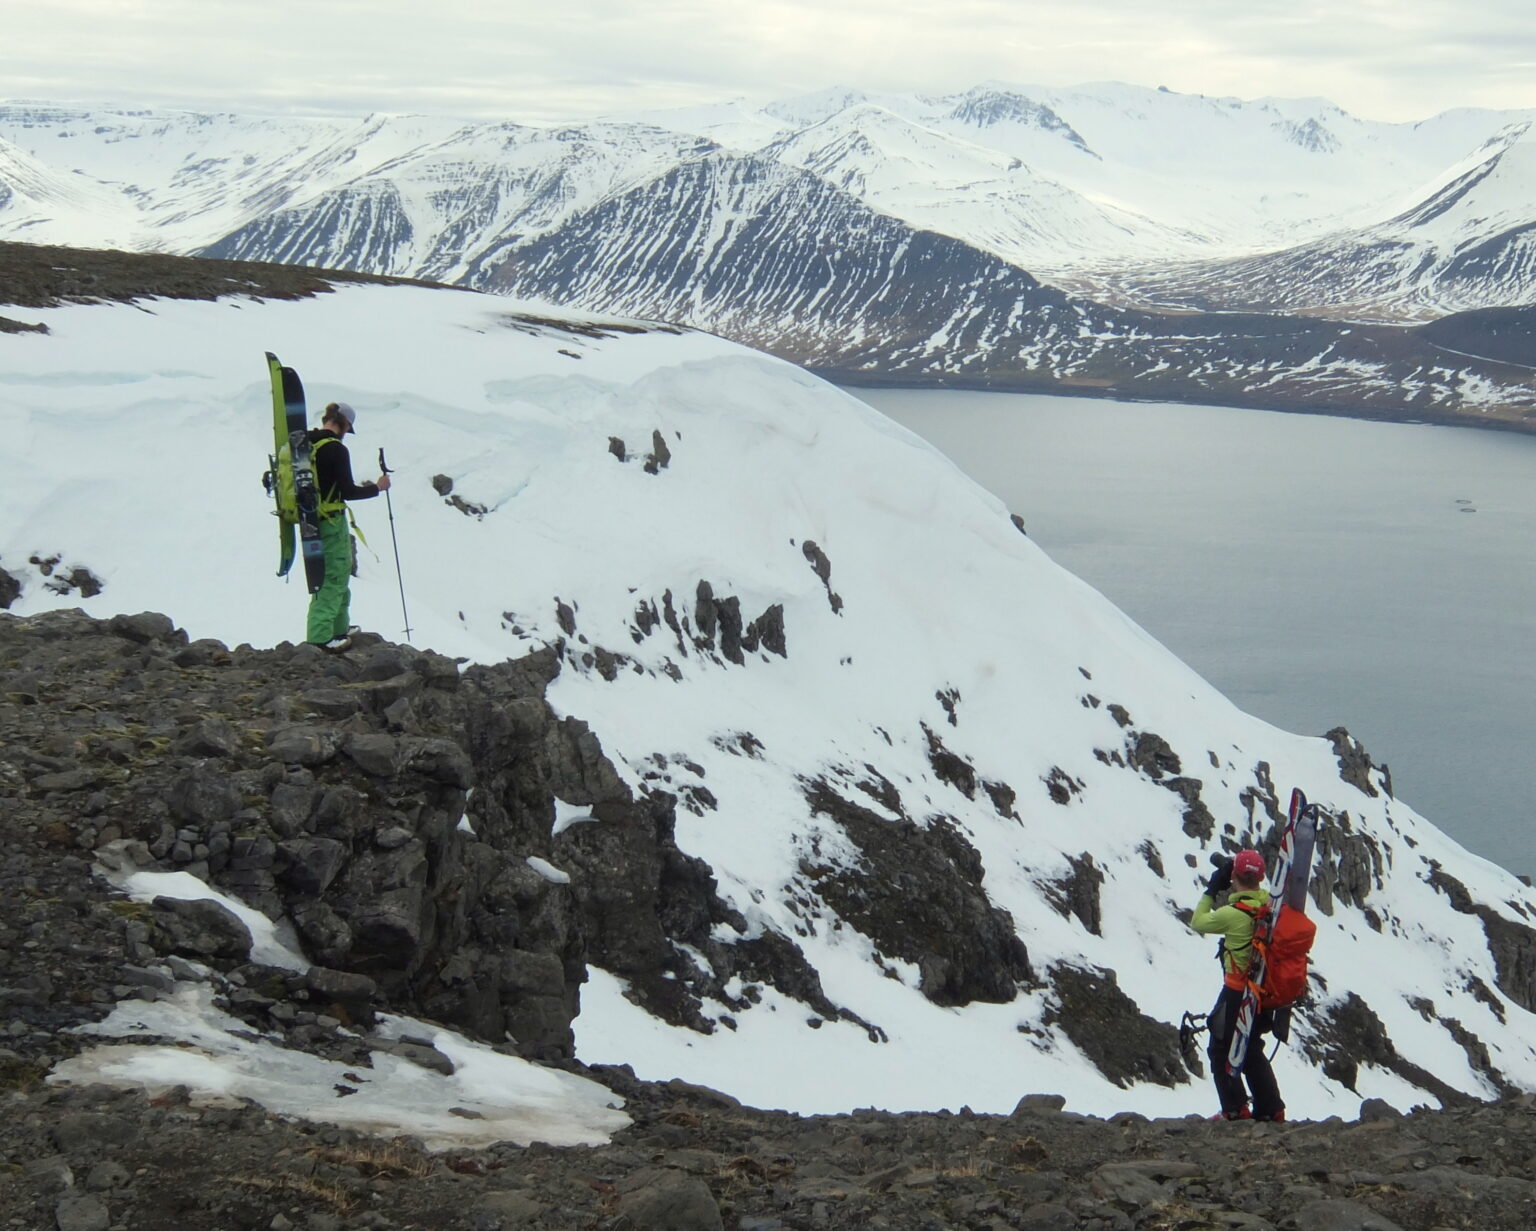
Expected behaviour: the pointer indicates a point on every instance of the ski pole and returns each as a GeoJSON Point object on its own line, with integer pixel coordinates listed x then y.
{"type": "Point", "coordinates": [389, 504]}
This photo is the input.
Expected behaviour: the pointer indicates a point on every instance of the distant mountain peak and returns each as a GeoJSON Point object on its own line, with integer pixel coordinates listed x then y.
{"type": "Point", "coordinates": [986, 106]}
{"type": "Point", "coordinates": [1310, 134]}
{"type": "Point", "coordinates": [818, 106]}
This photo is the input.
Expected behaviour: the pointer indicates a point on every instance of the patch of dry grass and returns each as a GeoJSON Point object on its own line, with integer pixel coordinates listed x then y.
{"type": "Point", "coordinates": [333, 1196]}
{"type": "Point", "coordinates": [46, 275]}
{"type": "Point", "coordinates": [393, 1161]}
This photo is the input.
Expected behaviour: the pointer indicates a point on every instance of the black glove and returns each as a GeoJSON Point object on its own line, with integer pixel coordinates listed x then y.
{"type": "Point", "coordinates": [1221, 878]}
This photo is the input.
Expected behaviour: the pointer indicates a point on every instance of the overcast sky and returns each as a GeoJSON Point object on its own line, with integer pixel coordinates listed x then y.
{"type": "Point", "coordinates": [541, 60]}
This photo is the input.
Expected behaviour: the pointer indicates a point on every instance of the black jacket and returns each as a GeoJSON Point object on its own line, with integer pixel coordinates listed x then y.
{"type": "Point", "coordinates": [333, 469]}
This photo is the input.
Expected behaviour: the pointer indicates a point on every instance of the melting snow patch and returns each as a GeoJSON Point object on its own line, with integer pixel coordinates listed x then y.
{"type": "Point", "coordinates": [271, 945]}
{"type": "Point", "coordinates": [567, 815]}
{"type": "Point", "coordinates": [548, 870]}
{"type": "Point", "coordinates": [489, 1098]}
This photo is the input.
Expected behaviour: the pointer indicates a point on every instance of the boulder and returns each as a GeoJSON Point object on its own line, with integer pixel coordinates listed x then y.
{"type": "Point", "coordinates": [201, 929]}
{"type": "Point", "coordinates": [671, 1201]}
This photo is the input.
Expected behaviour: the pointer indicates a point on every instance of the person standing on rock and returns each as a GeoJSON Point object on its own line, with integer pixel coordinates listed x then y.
{"type": "Point", "coordinates": [1238, 886]}
{"type": "Point", "coordinates": [330, 607]}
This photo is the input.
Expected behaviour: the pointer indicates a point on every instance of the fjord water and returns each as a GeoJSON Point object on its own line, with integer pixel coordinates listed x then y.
{"type": "Point", "coordinates": [1319, 571]}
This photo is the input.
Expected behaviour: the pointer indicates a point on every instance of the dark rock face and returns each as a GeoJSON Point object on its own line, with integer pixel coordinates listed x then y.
{"type": "Point", "coordinates": [1355, 764]}
{"type": "Point", "coordinates": [716, 629]}
{"type": "Point", "coordinates": [1197, 821]}
{"type": "Point", "coordinates": [1513, 944]}
{"type": "Point", "coordinates": [1126, 1045]}
{"type": "Point", "coordinates": [818, 560]}
{"type": "Point", "coordinates": [10, 589]}
{"type": "Point", "coordinates": [917, 894]}
{"type": "Point", "coordinates": [1077, 894]}
{"type": "Point", "coordinates": [712, 615]}
{"type": "Point", "coordinates": [660, 456]}
{"type": "Point", "coordinates": [642, 892]}
{"type": "Point", "coordinates": [328, 794]}
{"type": "Point", "coordinates": [1348, 1034]}
{"type": "Point", "coordinates": [1348, 866]}
{"type": "Point", "coordinates": [950, 767]}
{"type": "Point", "coordinates": [1152, 754]}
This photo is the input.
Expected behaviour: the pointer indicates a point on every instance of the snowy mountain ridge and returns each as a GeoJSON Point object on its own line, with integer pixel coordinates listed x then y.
{"type": "Point", "coordinates": [1076, 183]}
{"type": "Point", "coordinates": [969, 793]}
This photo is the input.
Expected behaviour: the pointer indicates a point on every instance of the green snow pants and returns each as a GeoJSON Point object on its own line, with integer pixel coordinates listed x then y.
{"type": "Point", "coordinates": [330, 607]}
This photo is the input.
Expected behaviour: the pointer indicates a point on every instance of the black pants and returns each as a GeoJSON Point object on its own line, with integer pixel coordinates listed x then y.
{"type": "Point", "coordinates": [1261, 1078]}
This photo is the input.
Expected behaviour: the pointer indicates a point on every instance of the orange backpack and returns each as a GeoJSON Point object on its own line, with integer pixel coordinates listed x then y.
{"type": "Point", "coordinates": [1284, 953]}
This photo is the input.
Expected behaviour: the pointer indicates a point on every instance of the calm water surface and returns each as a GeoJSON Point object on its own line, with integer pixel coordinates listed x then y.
{"type": "Point", "coordinates": [1319, 571]}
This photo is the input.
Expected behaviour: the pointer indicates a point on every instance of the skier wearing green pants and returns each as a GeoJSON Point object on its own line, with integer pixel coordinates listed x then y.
{"type": "Point", "coordinates": [330, 606]}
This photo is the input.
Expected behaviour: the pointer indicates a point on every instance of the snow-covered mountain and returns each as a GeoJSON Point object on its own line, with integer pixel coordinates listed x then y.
{"type": "Point", "coordinates": [903, 743]}
{"type": "Point", "coordinates": [1464, 241]}
{"type": "Point", "coordinates": [1133, 196]}
{"type": "Point", "coordinates": [1221, 174]}
{"type": "Point", "coordinates": [775, 258]}
{"type": "Point", "coordinates": [1143, 197]}
{"type": "Point", "coordinates": [971, 187]}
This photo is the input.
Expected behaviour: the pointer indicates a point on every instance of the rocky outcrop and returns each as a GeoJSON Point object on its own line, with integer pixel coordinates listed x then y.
{"type": "Point", "coordinates": [1151, 754]}
{"type": "Point", "coordinates": [1347, 867]}
{"type": "Point", "coordinates": [818, 560]}
{"type": "Point", "coordinates": [331, 794]}
{"type": "Point", "coordinates": [1347, 1034]}
{"type": "Point", "coordinates": [1124, 1043]}
{"type": "Point", "coordinates": [1512, 944]}
{"type": "Point", "coordinates": [400, 816]}
{"type": "Point", "coordinates": [1355, 764]}
{"type": "Point", "coordinates": [1076, 895]}
{"type": "Point", "coordinates": [717, 629]}
{"type": "Point", "coordinates": [917, 893]}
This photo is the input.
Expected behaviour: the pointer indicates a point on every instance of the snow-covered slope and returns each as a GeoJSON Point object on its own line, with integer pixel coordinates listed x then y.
{"type": "Point", "coordinates": [807, 625]}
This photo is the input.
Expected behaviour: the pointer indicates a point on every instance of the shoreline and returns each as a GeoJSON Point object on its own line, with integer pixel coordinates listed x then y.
{"type": "Point", "coordinates": [845, 379]}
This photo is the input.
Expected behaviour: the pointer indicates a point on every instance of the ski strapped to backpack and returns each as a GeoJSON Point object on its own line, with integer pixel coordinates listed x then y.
{"type": "Point", "coordinates": [1282, 934]}
{"type": "Point", "coordinates": [290, 480]}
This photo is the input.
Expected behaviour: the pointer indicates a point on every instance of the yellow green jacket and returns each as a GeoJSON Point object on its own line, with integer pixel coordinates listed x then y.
{"type": "Point", "coordinates": [1234, 926]}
